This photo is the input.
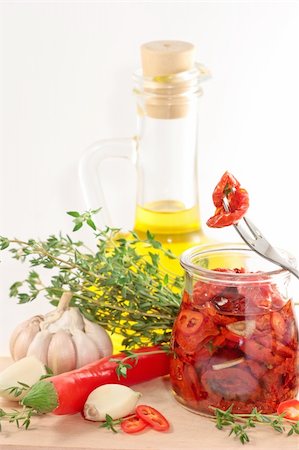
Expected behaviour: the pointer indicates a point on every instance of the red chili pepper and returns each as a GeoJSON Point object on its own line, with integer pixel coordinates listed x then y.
{"type": "Point", "coordinates": [189, 322]}
{"type": "Point", "coordinates": [66, 393]}
{"type": "Point", "coordinates": [152, 417]}
{"type": "Point", "coordinates": [289, 409]}
{"type": "Point", "coordinates": [133, 425]}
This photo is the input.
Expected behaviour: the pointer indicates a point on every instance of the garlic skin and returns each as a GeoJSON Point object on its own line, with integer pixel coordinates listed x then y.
{"type": "Point", "coordinates": [26, 370]}
{"type": "Point", "coordinates": [24, 339]}
{"type": "Point", "coordinates": [39, 346]}
{"type": "Point", "coordinates": [86, 349]}
{"type": "Point", "coordinates": [61, 353]}
{"type": "Point", "coordinates": [96, 333]}
{"type": "Point", "coordinates": [62, 340]}
{"type": "Point", "coordinates": [114, 399]}
{"type": "Point", "coordinates": [20, 328]}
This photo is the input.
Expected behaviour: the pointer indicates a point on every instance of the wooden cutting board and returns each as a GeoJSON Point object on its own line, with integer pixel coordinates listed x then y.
{"type": "Point", "coordinates": [188, 430]}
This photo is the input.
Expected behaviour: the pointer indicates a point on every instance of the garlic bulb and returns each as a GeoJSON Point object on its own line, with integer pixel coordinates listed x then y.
{"type": "Point", "coordinates": [62, 340]}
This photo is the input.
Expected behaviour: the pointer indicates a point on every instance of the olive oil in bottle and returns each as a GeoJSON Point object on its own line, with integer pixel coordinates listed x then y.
{"type": "Point", "coordinates": [176, 227]}
{"type": "Point", "coordinates": [167, 91]}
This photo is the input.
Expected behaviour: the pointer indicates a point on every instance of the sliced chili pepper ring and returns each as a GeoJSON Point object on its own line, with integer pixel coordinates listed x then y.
{"type": "Point", "coordinates": [189, 322]}
{"type": "Point", "coordinates": [133, 424]}
{"type": "Point", "coordinates": [152, 417]}
{"type": "Point", "coordinates": [289, 409]}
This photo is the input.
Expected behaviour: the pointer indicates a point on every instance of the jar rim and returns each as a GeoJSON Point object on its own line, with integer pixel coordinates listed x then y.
{"type": "Point", "coordinates": [203, 272]}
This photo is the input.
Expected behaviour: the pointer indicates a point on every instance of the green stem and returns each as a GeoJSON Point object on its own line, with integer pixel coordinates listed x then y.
{"type": "Point", "coordinates": [119, 308]}
{"type": "Point", "coordinates": [42, 397]}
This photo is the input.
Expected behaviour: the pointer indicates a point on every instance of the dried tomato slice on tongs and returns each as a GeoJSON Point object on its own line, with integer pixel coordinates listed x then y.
{"type": "Point", "coordinates": [238, 200]}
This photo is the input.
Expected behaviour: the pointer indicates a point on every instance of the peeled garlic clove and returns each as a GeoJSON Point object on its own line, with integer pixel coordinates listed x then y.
{"type": "Point", "coordinates": [39, 346]}
{"type": "Point", "coordinates": [24, 339]}
{"type": "Point", "coordinates": [113, 399]}
{"type": "Point", "coordinates": [27, 370]}
{"type": "Point", "coordinates": [61, 353]}
{"type": "Point", "coordinates": [76, 318]}
{"type": "Point", "coordinates": [86, 349]}
{"type": "Point", "coordinates": [99, 336]}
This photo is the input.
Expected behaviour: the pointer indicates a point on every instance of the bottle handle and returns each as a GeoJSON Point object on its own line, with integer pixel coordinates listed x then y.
{"type": "Point", "coordinates": [90, 171]}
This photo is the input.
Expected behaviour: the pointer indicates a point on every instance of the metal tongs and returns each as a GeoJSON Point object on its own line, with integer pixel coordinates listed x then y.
{"type": "Point", "coordinates": [253, 237]}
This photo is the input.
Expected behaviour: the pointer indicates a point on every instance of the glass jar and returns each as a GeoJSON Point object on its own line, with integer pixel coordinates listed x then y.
{"type": "Point", "coordinates": [235, 339]}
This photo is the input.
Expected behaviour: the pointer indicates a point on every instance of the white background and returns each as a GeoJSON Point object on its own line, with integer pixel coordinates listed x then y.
{"type": "Point", "coordinates": [66, 75]}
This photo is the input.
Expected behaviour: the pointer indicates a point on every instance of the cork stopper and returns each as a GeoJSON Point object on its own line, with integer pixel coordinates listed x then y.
{"type": "Point", "coordinates": [166, 57]}
{"type": "Point", "coordinates": [161, 62]}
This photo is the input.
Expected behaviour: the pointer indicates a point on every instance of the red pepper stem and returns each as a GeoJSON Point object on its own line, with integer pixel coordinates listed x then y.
{"type": "Point", "coordinates": [42, 397]}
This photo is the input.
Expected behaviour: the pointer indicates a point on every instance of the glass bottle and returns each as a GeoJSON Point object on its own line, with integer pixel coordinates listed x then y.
{"type": "Point", "coordinates": [164, 150]}
{"type": "Point", "coordinates": [235, 339]}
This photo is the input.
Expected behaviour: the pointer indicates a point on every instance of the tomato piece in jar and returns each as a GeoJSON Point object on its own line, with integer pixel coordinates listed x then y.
{"type": "Point", "coordinates": [259, 352]}
{"type": "Point", "coordinates": [203, 292]}
{"type": "Point", "coordinates": [278, 324]}
{"type": "Point", "coordinates": [185, 383]}
{"type": "Point", "coordinates": [231, 384]}
{"type": "Point", "coordinates": [191, 378]}
{"type": "Point", "coordinates": [230, 302]}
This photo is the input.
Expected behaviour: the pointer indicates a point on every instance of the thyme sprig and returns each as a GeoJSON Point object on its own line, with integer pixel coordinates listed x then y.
{"type": "Point", "coordinates": [120, 284]}
{"type": "Point", "coordinates": [110, 423]}
{"type": "Point", "coordinates": [18, 390]}
{"type": "Point", "coordinates": [240, 424]}
{"type": "Point", "coordinates": [22, 418]}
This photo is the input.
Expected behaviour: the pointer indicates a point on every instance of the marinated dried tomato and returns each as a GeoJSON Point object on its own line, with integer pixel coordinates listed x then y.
{"type": "Point", "coordinates": [257, 369]}
{"type": "Point", "coordinates": [224, 187]}
{"type": "Point", "coordinates": [278, 324]}
{"type": "Point", "coordinates": [192, 380]}
{"type": "Point", "coordinates": [203, 292]}
{"type": "Point", "coordinates": [231, 384]}
{"type": "Point", "coordinates": [283, 350]}
{"type": "Point", "coordinates": [230, 302]}
{"type": "Point", "coordinates": [258, 352]}
{"type": "Point", "coordinates": [181, 383]}
{"type": "Point", "coordinates": [238, 199]}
